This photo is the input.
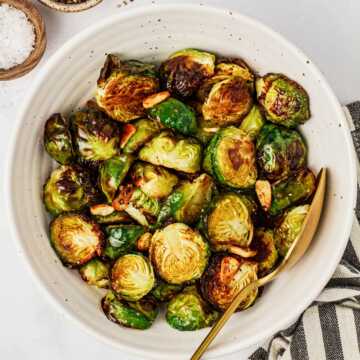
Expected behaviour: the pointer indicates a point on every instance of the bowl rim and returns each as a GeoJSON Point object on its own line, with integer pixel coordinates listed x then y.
{"type": "Point", "coordinates": [267, 331]}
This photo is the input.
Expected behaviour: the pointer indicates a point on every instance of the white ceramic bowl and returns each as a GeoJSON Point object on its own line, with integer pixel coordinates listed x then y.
{"type": "Point", "coordinates": [152, 33]}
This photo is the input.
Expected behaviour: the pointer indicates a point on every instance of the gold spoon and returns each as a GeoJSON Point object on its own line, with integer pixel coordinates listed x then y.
{"type": "Point", "coordinates": [296, 251]}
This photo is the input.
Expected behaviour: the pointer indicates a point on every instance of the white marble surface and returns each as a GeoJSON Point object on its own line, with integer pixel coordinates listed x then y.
{"type": "Point", "coordinates": [328, 31]}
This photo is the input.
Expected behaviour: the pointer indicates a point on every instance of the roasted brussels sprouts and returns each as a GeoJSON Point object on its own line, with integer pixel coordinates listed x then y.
{"type": "Point", "coordinates": [230, 158]}
{"type": "Point", "coordinates": [289, 228]}
{"type": "Point", "coordinates": [226, 67]}
{"type": "Point", "coordinates": [137, 134]}
{"type": "Point", "coordinates": [164, 292]}
{"type": "Point", "coordinates": [186, 203]}
{"type": "Point", "coordinates": [280, 151]}
{"type": "Point", "coordinates": [106, 214]}
{"type": "Point", "coordinates": [266, 252]}
{"type": "Point", "coordinates": [228, 223]}
{"type": "Point", "coordinates": [96, 273]}
{"type": "Point", "coordinates": [112, 172]}
{"type": "Point", "coordinates": [185, 70]}
{"type": "Point", "coordinates": [174, 153]}
{"type": "Point", "coordinates": [187, 311]}
{"type": "Point", "coordinates": [252, 122]}
{"type": "Point", "coordinates": [178, 253]}
{"type": "Point", "coordinates": [96, 138]}
{"type": "Point", "coordinates": [155, 181]}
{"type": "Point", "coordinates": [176, 115]}
{"type": "Point", "coordinates": [284, 101]}
{"type": "Point", "coordinates": [57, 139]}
{"type": "Point", "coordinates": [132, 277]}
{"type": "Point", "coordinates": [227, 103]}
{"type": "Point", "coordinates": [143, 242]}
{"type": "Point", "coordinates": [137, 204]}
{"type": "Point", "coordinates": [299, 187]}
{"type": "Point", "coordinates": [122, 87]}
{"type": "Point", "coordinates": [137, 315]}
{"type": "Point", "coordinates": [68, 188]}
{"type": "Point", "coordinates": [76, 239]}
{"type": "Point", "coordinates": [226, 275]}
{"type": "Point", "coordinates": [121, 239]}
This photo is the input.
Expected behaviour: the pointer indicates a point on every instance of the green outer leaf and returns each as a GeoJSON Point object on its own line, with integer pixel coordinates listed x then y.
{"type": "Point", "coordinates": [96, 273]}
{"type": "Point", "coordinates": [164, 292]}
{"type": "Point", "coordinates": [208, 156]}
{"type": "Point", "coordinates": [117, 217]}
{"type": "Point", "coordinates": [253, 122]}
{"type": "Point", "coordinates": [176, 115]}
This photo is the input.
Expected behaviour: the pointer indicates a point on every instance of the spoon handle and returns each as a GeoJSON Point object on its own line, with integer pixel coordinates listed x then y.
{"type": "Point", "coordinates": [222, 321]}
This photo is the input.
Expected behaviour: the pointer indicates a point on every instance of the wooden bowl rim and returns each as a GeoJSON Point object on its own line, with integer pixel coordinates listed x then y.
{"type": "Point", "coordinates": [70, 7]}
{"type": "Point", "coordinates": [33, 59]}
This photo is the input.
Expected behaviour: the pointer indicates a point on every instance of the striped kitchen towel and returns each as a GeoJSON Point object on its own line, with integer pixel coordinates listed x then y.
{"type": "Point", "coordinates": [330, 328]}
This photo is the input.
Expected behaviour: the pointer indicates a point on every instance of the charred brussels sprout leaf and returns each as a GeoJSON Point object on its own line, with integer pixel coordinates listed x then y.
{"type": "Point", "coordinates": [132, 277]}
{"type": "Point", "coordinates": [226, 275]}
{"type": "Point", "coordinates": [112, 172]}
{"type": "Point", "coordinates": [138, 134]}
{"type": "Point", "coordinates": [187, 311]}
{"type": "Point", "coordinates": [68, 188]}
{"type": "Point", "coordinates": [121, 239]}
{"type": "Point", "coordinates": [155, 181]}
{"type": "Point", "coordinates": [176, 115]}
{"type": "Point", "coordinates": [230, 158]}
{"type": "Point", "coordinates": [289, 228]}
{"type": "Point", "coordinates": [178, 253]}
{"type": "Point", "coordinates": [174, 153]}
{"type": "Point", "coordinates": [253, 122]}
{"type": "Point", "coordinates": [122, 87]}
{"type": "Point", "coordinates": [185, 70]}
{"type": "Point", "coordinates": [76, 239]}
{"type": "Point", "coordinates": [266, 253]}
{"type": "Point", "coordinates": [280, 151]}
{"type": "Point", "coordinates": [137, 315]}
{"type": "Point", "coordinates": [186, 203]}
{"type": "Point", "coordinates": [285, 193]}
{"type": "Point", "coordinates": [227, 102]}
{"type": "Point", "coordinates": [96, 273]}
{"type": "Point", "coordinates": [164, 292]}
{"type": "Point", "coordinates": [285, 102]}
{"type": "Point", "coordinates": [106, 214]}
{"type": "Point", "coordinates": [96, 137]}
{"type": "Point", "coordinates": [57, 139]}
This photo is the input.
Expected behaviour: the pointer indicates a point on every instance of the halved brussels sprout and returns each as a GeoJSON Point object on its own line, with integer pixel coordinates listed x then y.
{"type": "Point", "coordinates": [178, 253]}
{"type": "Point", "coordinates": [137, 204]}
{"type": "Point", "coordinates": [132, 277]}
{"type": "Point", "coordinates": [164, 292]}
{"type": "Point", "coordinates": [57, 139]}
{"type": "Point", "coordinates": [290, 227]}
{"type": "Point", "coordinates": [253, 122]}
{"type": "Point", "coordinates": [226, 67]}
{"type": "Point", "coordinates": [266, 253]}
{"type": "Point", "coordinates": [96, 273]}
{"type": "Point", "coordinates": [187, 311]}
{"type": "Point", "coordinates": [229, 223]}
{"type": "Point", "coordinates": [122, 87]}
{"type": "Point", "coordinates": [171, 152]}
{"type": "Point", "coordinates": [228, 102]}
{"type": "Point", "coordinates": [185, 70]}
{"type": "Point", "coordinates": [226, 275]}
{"type": "Point", "coordinates": [285, 101]}
{"type": "Point", "coordinates": [187, 202]}
{"type": "Point", "coordinates": [230, 158]}
{"type": "Point", "coordinates": [280, 151]}
{"type": "Point", "coordinates": [176, 115]}
{"type": "Point", "coordinates": [106, 214]}
{"type": "Point", "coordinates": [299, 187]}
{"type": "Point", "coordinates": [154, 181]}
{"type": "Point", "coordinates": [137, 315]}
{"type": "Point", "coordinates": [76, 239]}
{"type": "Point", "coordinates": [112, 172]}
{"type": "Point", "coordinates": [68, 188]}
{"type": "Point", "coordinates": [137, 134]}
{"type": "Point", "coordinates": [96, 138]}
{"type": "Point", "coordinates": [121, 239]}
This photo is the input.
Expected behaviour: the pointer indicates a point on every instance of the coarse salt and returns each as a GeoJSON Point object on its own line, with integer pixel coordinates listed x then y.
{"type": "Point", "coordinates": [17, 37]}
